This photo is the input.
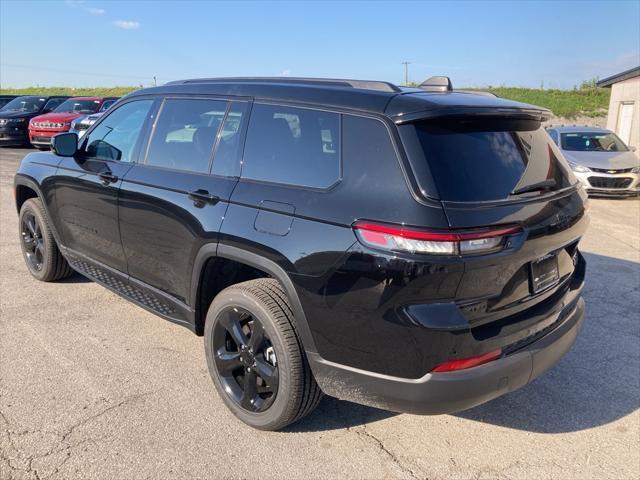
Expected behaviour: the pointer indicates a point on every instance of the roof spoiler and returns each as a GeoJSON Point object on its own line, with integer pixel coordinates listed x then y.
{"type": "Point", "coordinates": [436, 84]}
{"type": "Point", "coordinates": [531, 114]}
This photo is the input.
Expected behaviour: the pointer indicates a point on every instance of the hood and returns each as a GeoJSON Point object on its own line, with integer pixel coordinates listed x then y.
{"type": "Point", "coordinates": [90, 119]}
{"type": "Point", "coordinates": [603, 160]}
{"type": "Point", "coordinates": [58, 117]}
{"type": "Point", "coordinates": [17, 114]}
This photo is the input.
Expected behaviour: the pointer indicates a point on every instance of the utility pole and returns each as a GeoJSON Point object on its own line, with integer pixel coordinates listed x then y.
{"type": "Point", "coordinates": [155, 84]}
{"type": "Point", "coordinates": [406, 72]}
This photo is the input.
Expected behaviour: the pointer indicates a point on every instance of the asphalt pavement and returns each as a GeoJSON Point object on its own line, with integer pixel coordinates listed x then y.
{"type": "Point", "coordinates": [92, 386]}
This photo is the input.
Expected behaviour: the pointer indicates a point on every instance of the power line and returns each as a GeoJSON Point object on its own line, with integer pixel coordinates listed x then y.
{"type": "Point", "coordinates": [406, 72]}
{"type": "Point", "coordinates": [74, 72]}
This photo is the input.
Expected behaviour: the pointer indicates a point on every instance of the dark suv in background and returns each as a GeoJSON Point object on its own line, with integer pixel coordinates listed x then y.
{"type": "Point", "coordinates": [411, 249]}
{"type": "Point", "coordinates": [15, 116]}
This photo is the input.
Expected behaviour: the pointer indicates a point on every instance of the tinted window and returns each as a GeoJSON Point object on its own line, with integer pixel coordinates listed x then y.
{"type": "Point", "coordinates": [185, 133]}
{"type": "Point", "coordinates": [554, 136]}
{"type": "Point", "coordinates": [592, 142]}
{"type": "Point", "coordinates": [79, 106]}
{"type": "Point", "coordinates": [226, 161]}
{"type": "Point", "coordinates": [3, 102]}
{"type": "Point", "coordinates": [116, 135]}
{"type": "Point", "coordinates": [26, 104]}
{"type": "Point", "coordinates": [53, 104]}
{"type": "Point", "coordinates": [478, 161]}
{"type": "Point", "coordinates": [292, 145]}
{"type": "Point", "coordinates": [106, 104]}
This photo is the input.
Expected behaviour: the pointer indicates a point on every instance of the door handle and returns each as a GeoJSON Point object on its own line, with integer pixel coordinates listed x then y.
{"type": "Point", "coordinates": [200, 197]}
{"type": "Point", "coordinates": [107, 178]}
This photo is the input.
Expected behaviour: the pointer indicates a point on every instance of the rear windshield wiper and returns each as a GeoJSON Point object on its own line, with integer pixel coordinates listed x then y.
{"type": "Point", "coordinates": [536, 187]}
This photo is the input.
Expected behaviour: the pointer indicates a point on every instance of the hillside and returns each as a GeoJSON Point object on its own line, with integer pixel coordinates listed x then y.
{"type": "Point", "coordinates": [587, 101]}
{"type": "Point", "coordinates": [584, 102]}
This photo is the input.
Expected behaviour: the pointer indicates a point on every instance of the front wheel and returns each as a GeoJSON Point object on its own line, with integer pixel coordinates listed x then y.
{"type": "Point", "coordinates": [39, 248]}
{"type": "Point", "coordinates": [255, 357]}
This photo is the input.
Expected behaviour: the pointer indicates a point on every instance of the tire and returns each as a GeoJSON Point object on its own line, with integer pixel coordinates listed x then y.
{"type": "Point", "coordinates": [39, 248]}
{"type": "Point", "coordinates": [297, 392]}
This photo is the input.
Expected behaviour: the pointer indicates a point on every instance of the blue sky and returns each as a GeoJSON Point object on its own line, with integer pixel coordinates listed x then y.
{"type": "Point", "coordinates": [105, 43]}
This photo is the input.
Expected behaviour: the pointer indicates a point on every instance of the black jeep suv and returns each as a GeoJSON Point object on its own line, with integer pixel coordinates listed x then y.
{"type": "Point", "coordinates": [15, 116]}
{"type": "Point", "coordinates": [410, 249]}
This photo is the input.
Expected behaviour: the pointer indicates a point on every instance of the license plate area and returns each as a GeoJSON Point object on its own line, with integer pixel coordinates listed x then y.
{"type": "Point", "coordinates": [544, 273]}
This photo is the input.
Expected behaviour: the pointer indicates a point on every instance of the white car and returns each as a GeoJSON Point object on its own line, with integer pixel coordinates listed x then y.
{"type": "Point", "coordinates": [81, 124]}
{"type": "Point", "coordinates": [599, 159]}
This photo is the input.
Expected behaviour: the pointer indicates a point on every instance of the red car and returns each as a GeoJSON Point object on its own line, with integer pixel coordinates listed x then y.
{"type": "Point", "coordinates": [43, 127]}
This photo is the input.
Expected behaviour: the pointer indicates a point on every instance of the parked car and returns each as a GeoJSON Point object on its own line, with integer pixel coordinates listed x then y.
{"type": "Point", "coordinates": [43, 127]}
{"type": "Point", "coordinates": [4, 99]}
{"type": "Point", "coordinates": [81, 124]}
{"type": "Point", "coordinates": [15, 116]}
{"type": "Point", "coordinates": [601, 161]}
{"type": "Point", "coordinates": [333, 236]}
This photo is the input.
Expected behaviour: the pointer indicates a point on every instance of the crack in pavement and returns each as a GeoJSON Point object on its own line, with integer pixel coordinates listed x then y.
{"type": "Point", "coordinates": [63, 445]}
{"type": "Point", "coordinates": [363, 432]}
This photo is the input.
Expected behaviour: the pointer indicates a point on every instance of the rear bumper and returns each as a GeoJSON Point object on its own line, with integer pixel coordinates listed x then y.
{"type": "Point", "coordinates": [438, 393]}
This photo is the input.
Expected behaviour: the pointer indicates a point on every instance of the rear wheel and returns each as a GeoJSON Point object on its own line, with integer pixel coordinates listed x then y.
{"type": "Point", "coordinates": [39, 249]}
{"type": "Point", "coordinates": [255, 358]}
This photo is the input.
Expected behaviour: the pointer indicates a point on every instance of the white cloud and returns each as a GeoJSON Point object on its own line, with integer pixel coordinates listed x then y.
{"type": "Point", "coordinates": [127, 24]}
{"type": "Point", "coordinates": [286, 73]}
{"type": "Point", "coordinates": [96, 11]}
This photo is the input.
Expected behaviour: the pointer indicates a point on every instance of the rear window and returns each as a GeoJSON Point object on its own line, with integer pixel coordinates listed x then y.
{"type": "Point", "coordinates": [488, 159]}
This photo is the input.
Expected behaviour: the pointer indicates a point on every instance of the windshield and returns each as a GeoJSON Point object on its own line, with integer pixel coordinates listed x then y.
{"type": "Point", "coordinates": [26, 104]}
{"type": "Point", "coordinates": [592, 142]}
{"type": "Point", "coordinates": [78, 106]}
{"type": "Point", "coordinates": [473, 160]}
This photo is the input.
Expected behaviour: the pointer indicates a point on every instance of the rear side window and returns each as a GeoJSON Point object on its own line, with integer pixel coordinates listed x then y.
{"type": "Point", "coordinates": [490, 159]}
{"type": "Point", "coordinates": [185, 134]}
{"type": "Point", "coordinates": [295, 146]}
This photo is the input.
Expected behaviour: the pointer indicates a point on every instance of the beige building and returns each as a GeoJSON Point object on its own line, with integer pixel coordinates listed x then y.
{"type": "Point", "coordinates": [624, 106]}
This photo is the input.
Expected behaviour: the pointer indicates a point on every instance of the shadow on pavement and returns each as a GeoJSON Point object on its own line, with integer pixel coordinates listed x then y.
{"type": "Point", "coordinates": [598, 381]}
{"type": "Point", "coordinates": [334, 414]}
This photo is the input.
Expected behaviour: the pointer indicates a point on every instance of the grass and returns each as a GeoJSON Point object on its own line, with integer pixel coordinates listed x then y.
{"type": "Point", "coordinates": [587, 100]}
{"type": "Point", "coordinates": [76, 92]}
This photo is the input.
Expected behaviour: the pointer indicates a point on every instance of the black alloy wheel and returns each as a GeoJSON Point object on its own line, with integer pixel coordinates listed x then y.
{"type": "Point", "coordinates": [245, 360]}
{"type": "Point", "coordinates": [33, 243]}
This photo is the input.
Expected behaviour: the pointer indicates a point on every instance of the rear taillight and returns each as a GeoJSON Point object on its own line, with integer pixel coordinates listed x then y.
{"type": "Point", "coordinates": [464, 363]}
{"type": "Point", "coordinates": [397, 238]}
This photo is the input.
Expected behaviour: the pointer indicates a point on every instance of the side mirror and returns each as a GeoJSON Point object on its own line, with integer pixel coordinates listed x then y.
{"type": "Point", "coordinates": [65, 144]}
{"type": "Point", "coordinates": [633, 149]}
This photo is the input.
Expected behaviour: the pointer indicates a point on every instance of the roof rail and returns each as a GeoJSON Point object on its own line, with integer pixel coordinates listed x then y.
{"type": "Point", "coordinates": [331, 82]}
{"type": "Point", "coordinates": [436, 84]}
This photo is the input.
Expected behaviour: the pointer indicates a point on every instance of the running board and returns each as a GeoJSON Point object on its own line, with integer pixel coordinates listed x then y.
{"type": "Point", "coordinates": [133, 290]}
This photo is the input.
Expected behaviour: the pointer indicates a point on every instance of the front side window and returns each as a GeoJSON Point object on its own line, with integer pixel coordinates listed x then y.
{"type": "Point", "coordinates": [116, 136]}
{"type": "Point", "coordinates": [295, 146]}
{"type": "Point", "coordinates": [185, 134]}
{"type": "Point", "coordinates": [592, 142]}
{"type": "Point", "coordinates": [225, 160]}
{"type": "Point", "coordinates": [78, 106]}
